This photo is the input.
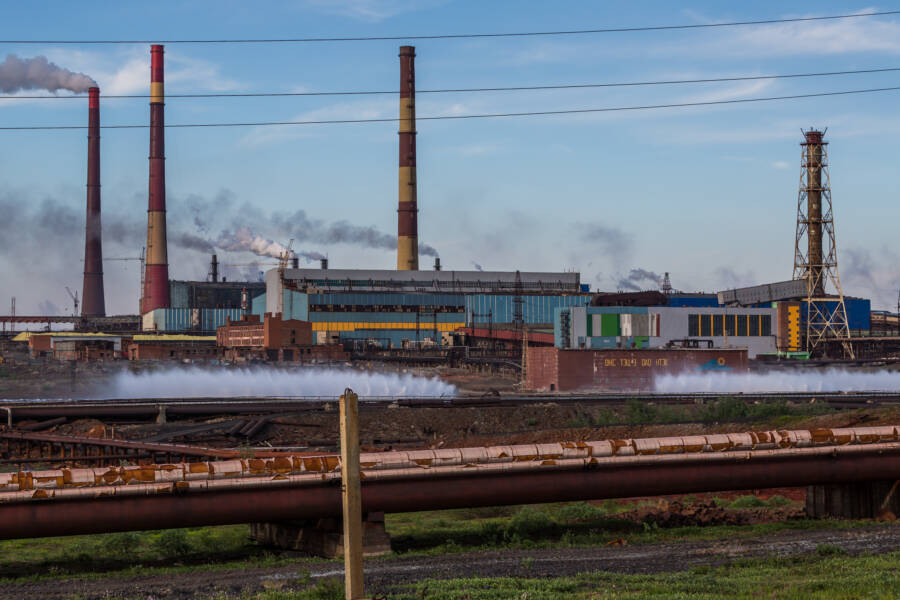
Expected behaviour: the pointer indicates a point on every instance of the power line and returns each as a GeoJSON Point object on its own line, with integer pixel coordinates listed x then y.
{"type": "Point", "coordinates": [467, 90]}
{"type": "Point", "coordinates": [472, 116]}
{"type": "Point", "coordinates": [461, 35]}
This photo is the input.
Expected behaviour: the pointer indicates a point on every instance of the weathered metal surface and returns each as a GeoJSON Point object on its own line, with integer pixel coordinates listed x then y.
{"type": "Point", "coordinates": [407, 211]}
{"type": "Point", "coordinates": [156, 498]}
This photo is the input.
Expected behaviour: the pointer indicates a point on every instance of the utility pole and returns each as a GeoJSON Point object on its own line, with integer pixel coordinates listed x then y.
{"type": "Point", "coordinates": [352, 496]}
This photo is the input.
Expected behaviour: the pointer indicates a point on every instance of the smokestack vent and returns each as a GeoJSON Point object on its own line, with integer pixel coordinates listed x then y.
{"type": "Point", "coordinates": [407, 210]}
{"type": "Point", "coordinates": [437, 263]}
{"type": "Point", "coordinates": [295, 263]}
{"type": "Point", "coordinates": [93, 303]}
{"type": "Point", "coordinates": [156, 271]}
{"type": "Point", "coordinates": [324, 262]}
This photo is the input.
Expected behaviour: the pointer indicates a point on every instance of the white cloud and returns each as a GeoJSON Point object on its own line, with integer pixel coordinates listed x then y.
{"type": "Point", "coordinates": [128, 72]}
{"type": "Point", "coordinates": [370, 10]}
{"type": "Point", "coordinates": [781, 164]}
{"type": "Point", "coordinates": [841, 36]}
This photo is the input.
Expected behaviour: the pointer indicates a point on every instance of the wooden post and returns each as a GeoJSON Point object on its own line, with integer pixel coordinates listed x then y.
{"type": "Point", "coordinates": [352, 499]}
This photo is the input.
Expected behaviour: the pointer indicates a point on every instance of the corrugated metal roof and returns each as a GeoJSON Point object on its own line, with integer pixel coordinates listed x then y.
{"type": "Point", "coordinates": [174, 338]}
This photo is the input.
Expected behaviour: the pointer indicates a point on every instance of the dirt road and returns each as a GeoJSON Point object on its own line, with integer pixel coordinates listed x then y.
{"type": "Point", "coordinates": [382, 574]}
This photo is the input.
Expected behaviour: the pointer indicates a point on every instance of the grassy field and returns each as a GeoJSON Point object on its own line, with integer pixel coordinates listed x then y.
{"type": "Point", "coordinates": [426, 533]}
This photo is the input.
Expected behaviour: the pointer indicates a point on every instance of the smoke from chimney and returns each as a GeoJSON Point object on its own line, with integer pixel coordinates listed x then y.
{"type": "Point", "coordinates": [38, 73]}
{"type": "Point", "coordinates": [244, 240]}
{"type": "Point", "coordinates": [93, 303]}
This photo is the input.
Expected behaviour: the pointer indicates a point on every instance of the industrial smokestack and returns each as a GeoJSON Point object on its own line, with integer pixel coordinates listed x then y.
{"type": "Point", "coordinates": [295, 262]}
{"type": "Point", "coordinates": [407, 212]}
{"type": "Point", "coordinates": [813, 163]}
{"type": "Point", "coordinates": [437, 263]}
{"type": "Point", "coordinates": [214, 269]}
{"type": "Point", "coordinates": [156, 273]}
{"type": "Point", "coordinates": [92, 298]}
{"type": "Point", "coordinates": [324, 263]}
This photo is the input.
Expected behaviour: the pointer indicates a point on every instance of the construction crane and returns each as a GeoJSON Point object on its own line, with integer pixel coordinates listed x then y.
{"type": "Point", "coordinates": [74, 297]}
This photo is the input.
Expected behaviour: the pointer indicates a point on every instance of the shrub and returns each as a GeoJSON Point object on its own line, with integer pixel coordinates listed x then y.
{"type": "Point", "coordinates": [830, 550]}
{"type": "Point", "coordinates": [577, 512]}
{"type": "Point", "coordinates": [748, 502]}
{"type": "Point", "coordinates": [529, 523]}
{"type": "Point", "coordinates": [172, 543]}
{"type": "Point", "coordinates": [123, 544]}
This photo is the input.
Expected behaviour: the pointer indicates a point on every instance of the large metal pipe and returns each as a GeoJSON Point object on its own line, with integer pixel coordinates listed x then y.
{"type": "Point", "coordinates": [813, 162]}
{"type": "Point", "coordinates": [156, 271]}
{"type": "Point", "coordinates": [407, 211]}
{"type": "Point", "coordinates": [93, 303]}
{"type": "Point", "coordinates": [171, 508]}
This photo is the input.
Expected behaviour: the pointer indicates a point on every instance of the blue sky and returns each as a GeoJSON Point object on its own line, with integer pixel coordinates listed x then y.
{"type": "Point", "coordinates": [708, 193]}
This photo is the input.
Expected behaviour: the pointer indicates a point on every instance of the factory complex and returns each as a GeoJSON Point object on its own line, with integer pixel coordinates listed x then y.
{"type": "Point", "coordinates": [547, 329]}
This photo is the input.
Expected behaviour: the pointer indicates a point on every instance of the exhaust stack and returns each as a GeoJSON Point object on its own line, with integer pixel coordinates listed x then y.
{"type": "Point", "coordinates": [407, 211]}
{"type": "Point", "coordinates": [814, 153]}
{"type": "Point", "coordinates": [156, 274]}
{"type": "Point", "coordinates": [93, 303]}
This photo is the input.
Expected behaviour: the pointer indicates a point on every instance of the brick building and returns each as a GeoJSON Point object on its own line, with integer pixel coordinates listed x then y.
{"type": "Point", "coordinates": [273, 339]}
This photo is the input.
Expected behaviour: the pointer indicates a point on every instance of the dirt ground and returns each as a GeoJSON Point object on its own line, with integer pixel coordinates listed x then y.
{"type": "Point", "coordinates": [381, 574]}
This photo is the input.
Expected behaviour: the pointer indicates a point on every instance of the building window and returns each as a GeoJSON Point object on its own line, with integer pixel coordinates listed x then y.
{"type": "Point", "coordinates": [693, 325]}
{"type": "Point", "coordinates": [765, 325]}
{"type": "Point", "coordinates": [741, 326]}
{"type": "Point", "coordinates": [705, 325]}
{"type": "Point", "coordinates": [729, 324]}
{"type": "Point", "coordinates": [754, 325]}
{"type": "Point", "coordinates": [718, 325]}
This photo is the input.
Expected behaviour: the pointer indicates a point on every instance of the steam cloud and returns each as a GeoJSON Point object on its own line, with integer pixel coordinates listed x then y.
{"type": "Point", "coordinates": [38, 73]}
{"type": "Point", "coordinates": [637, 276]}
{"type": "Point", "coordinates": [477, 266]}
{"type": "Point", "coordinates": [832, 380]}
{"type": "Point", "coordinates": [196, 382]}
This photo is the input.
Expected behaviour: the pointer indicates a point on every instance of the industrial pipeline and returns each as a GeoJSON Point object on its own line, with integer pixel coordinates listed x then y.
{"type": "Point", "coordinates": [96, 500]}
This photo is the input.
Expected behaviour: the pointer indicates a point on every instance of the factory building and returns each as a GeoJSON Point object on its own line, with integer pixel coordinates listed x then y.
{"type": "Point", "coordinates": [394, 309]}
{"type": "Point", "coordinates": [559, 370]}
{"type": "Point", "coordinates": [634, 327]}
{"type": "Point", "coordinates": [272, 339]}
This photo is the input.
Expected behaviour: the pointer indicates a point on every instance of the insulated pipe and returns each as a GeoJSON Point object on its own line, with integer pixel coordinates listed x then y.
{"type": "Point", "coordinates": [407, 211]}
{"type": "Point", "coordinates": [92, 297]}
{"type": "Point", "coordinates": [813, 162]}
{"type": "Point", "coordinates": [156, 271]}
{"type": "Point", "coordinates": [275, 503]}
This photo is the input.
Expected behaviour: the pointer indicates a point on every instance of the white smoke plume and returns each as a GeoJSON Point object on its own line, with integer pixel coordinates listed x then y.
{"type": "Point", "coordinates": [195, 382]}
{"type": "Point", "coordinates": [243, 239]}
{"type": "Point", "coordinates": [38, 73]}
{"type": "Point", "coordinates": [832, 380]}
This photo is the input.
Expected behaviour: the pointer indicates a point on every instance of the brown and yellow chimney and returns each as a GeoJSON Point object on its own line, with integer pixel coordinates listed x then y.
{"type": "Point", "coordinates": [156, 271]}
{"type": "Point", "coordinates": [407, 211]}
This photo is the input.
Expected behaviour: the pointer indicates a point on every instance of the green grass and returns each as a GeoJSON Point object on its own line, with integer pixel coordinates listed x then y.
{"type": "Point", "coordinates": [825, 575]}
{"type": "Point", "coordinates": [173, 550]}
{"type": "Point", "coordinates": [722, 410]}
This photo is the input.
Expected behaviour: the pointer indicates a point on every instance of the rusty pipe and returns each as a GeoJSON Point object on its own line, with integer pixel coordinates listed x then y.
{"type": "Point", "coordinates": [282, 502]}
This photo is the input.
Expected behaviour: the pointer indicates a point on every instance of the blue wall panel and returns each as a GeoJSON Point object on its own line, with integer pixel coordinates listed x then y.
{"type": "Point", "coordinates": [535, 309]}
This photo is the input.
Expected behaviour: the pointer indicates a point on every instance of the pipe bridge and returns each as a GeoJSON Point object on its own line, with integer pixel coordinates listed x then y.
{"type": "Point", "coordinates": [289, 487]}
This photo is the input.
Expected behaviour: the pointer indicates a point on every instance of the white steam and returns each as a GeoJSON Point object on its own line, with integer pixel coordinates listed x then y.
{"type": "Point", "coordinates": [194, 382]}
{"type": "Point", "coordinates": [244, 239]}
{"type": "Point", "coordinates": [831, 380]}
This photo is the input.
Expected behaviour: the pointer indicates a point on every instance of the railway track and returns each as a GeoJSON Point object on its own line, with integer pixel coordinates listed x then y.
{"type": "Point", "coordinates": [162, 409]}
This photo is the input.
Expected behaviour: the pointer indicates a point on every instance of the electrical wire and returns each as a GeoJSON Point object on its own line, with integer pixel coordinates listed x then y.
{"type": "Point", "coordinates": [481, 89]}
{"type": "Point", "coordinates": [459, 117]}
{"type": "Point", "coordinates": [462, 35]}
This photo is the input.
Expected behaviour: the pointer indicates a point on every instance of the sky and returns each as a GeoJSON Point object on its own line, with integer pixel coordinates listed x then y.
{"type": "Point", "coordinates": [708, 193]}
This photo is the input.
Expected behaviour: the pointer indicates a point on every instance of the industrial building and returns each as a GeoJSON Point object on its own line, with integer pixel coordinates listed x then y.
{"type": "Point", "coordinates": [273, 339]}
{"type": "Point", "coordinates": [394, 309]}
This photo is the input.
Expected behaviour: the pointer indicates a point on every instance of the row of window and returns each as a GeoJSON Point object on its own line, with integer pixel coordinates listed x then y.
{"type": "Point", "coordinates": [735, 325]}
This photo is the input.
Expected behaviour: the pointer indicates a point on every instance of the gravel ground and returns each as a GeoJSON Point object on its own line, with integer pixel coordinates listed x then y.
{"type": "Point", "coordinates": [381, 574]}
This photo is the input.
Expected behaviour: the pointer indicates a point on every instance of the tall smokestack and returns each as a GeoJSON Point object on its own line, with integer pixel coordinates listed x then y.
{"type": "Point", "coordinates": [407, 219]}
{"type": "Point", "coordinates": [813, 163]}
{"type": "Point", "coordinates": [92, 299]}
{"type": "Point", "coordinates": [156, 273]}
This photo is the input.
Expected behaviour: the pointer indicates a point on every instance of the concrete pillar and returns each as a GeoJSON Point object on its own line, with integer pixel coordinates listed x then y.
{"type": "Point", "coordinates": [863, 500]}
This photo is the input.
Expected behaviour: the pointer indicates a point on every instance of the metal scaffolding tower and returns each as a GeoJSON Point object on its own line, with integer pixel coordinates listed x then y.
{"type": "Point", "coordinates": [815, 250]}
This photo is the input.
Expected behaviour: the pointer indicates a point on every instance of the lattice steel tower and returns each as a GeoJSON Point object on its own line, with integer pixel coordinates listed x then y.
{"type": "Point", "coordinates": [815, 251]}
